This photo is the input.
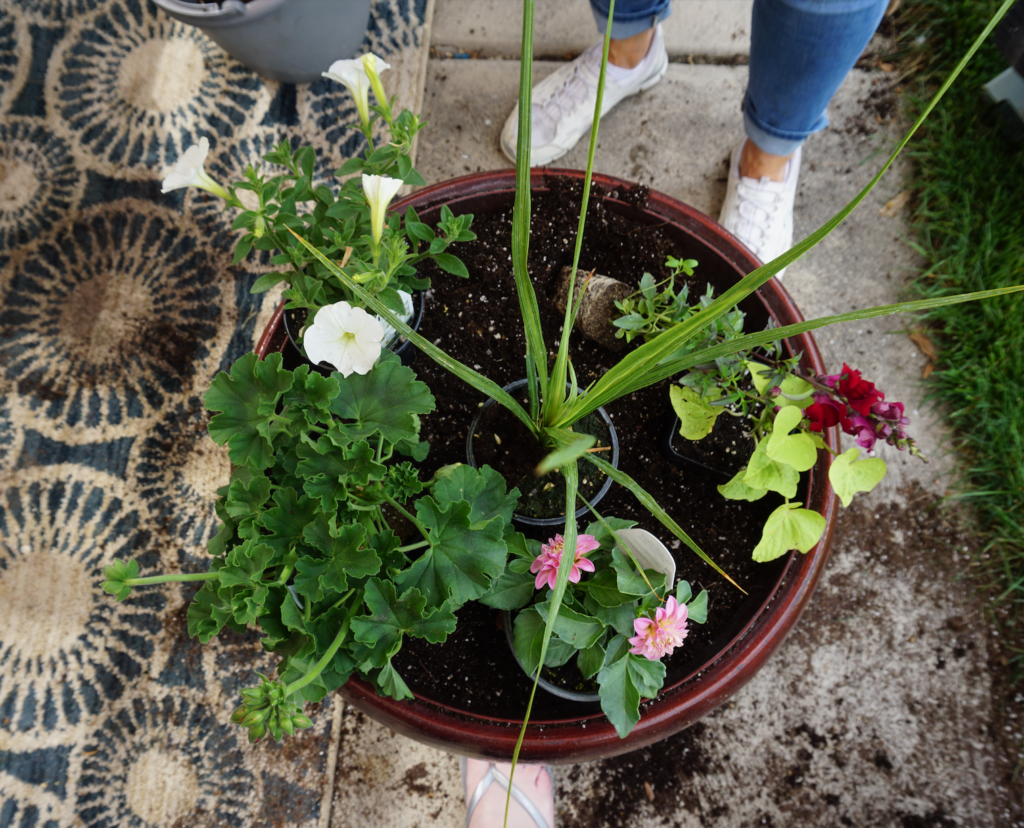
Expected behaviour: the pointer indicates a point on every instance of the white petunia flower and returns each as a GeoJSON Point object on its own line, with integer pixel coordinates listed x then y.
{"type": "Point", "coordinates": [189, 172]}
{"type": "Point", "coordinates": [346, 337]}
{"type": "Point", "coordinates": [379, 190]}
{"type": "Point", "coordinates": [358, 75]}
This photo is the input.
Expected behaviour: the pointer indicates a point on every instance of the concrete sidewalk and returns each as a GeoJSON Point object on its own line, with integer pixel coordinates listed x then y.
{"type": "Point", "coordinates": [878, 711]}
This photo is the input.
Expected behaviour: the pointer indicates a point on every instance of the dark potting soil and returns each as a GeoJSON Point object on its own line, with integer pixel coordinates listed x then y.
{"type": "Point", "coordinates": [477, 321]}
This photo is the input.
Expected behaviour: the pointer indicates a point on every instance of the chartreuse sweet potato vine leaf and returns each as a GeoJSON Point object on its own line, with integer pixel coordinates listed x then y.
{"type": "Point", "coordinates": [792, 386]}
{"type": "Point", "coordinates": [849, 475]}
{"type": "Point", "coordinates": [246, 399]}
{"type": "Point", "coordinates": [789, 527]}
{"type": "Point", "coordinates": [796, 450]}
{"type": "Point", "coordinates": [738, 489]}
{"type": "Point", "coordinates": [696, 415]}
{"type": "Point", "coordinates": [764, 473]}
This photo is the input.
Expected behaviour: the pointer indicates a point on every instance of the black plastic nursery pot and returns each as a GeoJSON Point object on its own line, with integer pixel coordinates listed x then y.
{"type": "Point", "coordinates": [556, 518]}
{"type": "Point", "coordinates": [561, 731]}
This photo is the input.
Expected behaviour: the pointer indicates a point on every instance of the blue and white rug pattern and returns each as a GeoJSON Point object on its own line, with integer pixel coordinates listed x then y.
{"type": "Point", "coordinates": [118, 305]}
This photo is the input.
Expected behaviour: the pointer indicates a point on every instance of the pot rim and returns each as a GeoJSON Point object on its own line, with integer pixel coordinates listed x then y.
{"type": "Point", "coordinates": [582, 738]}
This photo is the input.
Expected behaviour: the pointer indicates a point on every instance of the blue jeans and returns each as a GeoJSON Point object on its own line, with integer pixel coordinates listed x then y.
{"type": "Point", "coordinates": [800, 52]}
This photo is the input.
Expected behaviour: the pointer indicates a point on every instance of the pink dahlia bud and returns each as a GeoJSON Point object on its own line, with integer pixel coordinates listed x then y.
{"type": "Point", "coordinates": [659, 636]}
{"type": "Point", "coordinates": [546, 564]}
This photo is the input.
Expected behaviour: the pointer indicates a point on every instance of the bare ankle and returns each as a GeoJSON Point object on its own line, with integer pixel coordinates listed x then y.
{"type": "Point", "coordinates": [629, 51]}
{"type": "Point", "coordinates": [758, 164]}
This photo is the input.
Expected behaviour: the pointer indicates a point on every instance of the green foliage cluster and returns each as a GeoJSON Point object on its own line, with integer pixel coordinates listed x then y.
{"type": "Point", "coordinates": [771, 395]}
{"type": "Point", "coordinates": [305, 548]}
{"type": "Point", "coordinates": [593, 621]}
{"type": "Point", "coordinates": [337, 223]}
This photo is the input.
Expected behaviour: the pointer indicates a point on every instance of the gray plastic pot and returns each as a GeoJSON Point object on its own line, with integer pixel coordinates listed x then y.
{"type": "Point", "coordinates": [284, 40]}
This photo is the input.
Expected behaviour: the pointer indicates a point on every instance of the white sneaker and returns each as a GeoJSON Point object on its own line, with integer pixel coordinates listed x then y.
{"type": "Point", "coordinates": [760, 213]}
{"type": "Point", "coordinates": [563, 103]}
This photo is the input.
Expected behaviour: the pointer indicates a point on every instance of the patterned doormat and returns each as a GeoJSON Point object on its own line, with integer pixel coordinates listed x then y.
{"type": "Point", "coordinates": [118, 305]}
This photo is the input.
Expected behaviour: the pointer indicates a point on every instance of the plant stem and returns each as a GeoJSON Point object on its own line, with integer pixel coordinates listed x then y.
{"type": "Point", "coordinates": [408, 515]}
{"type": "Point", "coordinates": [339, 639]}
{"type": "Point", "coordinates": [286, 573]}
{"type": "Point", "coordinates": [164, 579]}
{"type": "Point", "coordinates": [413, 546]}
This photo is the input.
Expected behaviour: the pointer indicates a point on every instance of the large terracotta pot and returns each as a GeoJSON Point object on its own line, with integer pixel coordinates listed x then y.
{"type": "Point", "coordinates": [564, 734]}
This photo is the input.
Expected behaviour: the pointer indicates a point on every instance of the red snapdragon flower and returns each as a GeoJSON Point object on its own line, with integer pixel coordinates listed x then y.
{"type": "Point", "coordinates": [859, 393]}
{"type": "Point", "coordinates": [863, 429]}
{"type": "Point", "coordinates": [824, 412]}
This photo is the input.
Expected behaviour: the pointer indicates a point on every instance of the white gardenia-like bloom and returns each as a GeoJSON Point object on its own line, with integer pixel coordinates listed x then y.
{"type": "Point", "coordinates": [379, 190]}
{"type": "Point", "coordinates": [358, 75]}
{"type": "Point", "coordinates": [189, 172]}
{"type": "Point", "coordinates": [346, 337]}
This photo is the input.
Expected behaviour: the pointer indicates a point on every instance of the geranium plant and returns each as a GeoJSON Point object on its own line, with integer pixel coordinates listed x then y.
{"type": "Point", "coordinates": [350, 224]}
{"type": "Point", "coordinates": [306, 547]}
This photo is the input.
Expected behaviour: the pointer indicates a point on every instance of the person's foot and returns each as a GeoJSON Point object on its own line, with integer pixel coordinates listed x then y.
{"type": "Point", "coordinates": [563, 103]}
{"type": "Point", "coordinates": [485, 795]}
{"type": "Point", "coordinates": [759, 211]}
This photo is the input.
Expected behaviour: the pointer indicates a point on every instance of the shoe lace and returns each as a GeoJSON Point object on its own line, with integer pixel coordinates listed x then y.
{"type": "Point", "coordinates": [576, 90]}
{"type": "Point", "coordinates": [757, 207]}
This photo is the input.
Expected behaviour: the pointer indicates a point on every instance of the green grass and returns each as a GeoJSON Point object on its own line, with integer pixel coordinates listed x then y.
{"type": "Point", "coordinates": [968, 222]}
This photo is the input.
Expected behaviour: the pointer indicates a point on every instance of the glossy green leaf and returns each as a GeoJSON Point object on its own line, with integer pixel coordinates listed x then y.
{"type": "Point", "coordinates": [345, 548]}
{"type": "Point", "coordinates": [483, 489]}
{"type": "Point", "coordinates": [392, 616]}
{"type": "Point", "coordinates": [383, 401]}
{"type": "Point", "coordinates": [246, 398]}
{"type": "Point", "coordinates": [462, 559]}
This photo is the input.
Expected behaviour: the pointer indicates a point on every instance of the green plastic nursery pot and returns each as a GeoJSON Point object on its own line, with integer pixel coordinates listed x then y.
{"type": "Point", "coordinates": [284, 40]}
{"type": "Point", "coordinates": [566, 732]}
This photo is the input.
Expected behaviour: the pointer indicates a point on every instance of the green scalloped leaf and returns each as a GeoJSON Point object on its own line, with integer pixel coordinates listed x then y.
{"type": "Point", "coordinates": [246, 399]}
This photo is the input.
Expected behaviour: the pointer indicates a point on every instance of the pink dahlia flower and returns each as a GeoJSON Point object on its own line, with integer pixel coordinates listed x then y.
{"type": "Point", "coordinates": [659, 636]}
{"type": "Point", "coordinates": [550, 558]}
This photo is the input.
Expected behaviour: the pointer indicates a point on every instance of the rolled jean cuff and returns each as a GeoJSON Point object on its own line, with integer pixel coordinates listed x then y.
{"type": "Point", "coordinates": [627, 24]}
{"type": "Point", "coordinates": [772, 142]}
